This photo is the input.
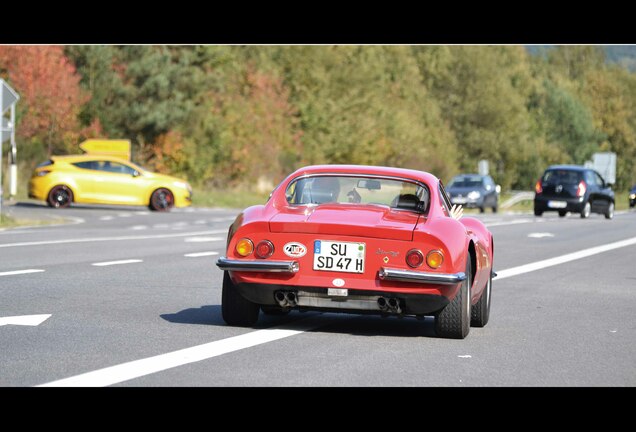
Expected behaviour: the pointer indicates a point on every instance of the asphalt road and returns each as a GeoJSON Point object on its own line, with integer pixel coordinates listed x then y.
{"type": "Point", "coordinates": [134, 300]}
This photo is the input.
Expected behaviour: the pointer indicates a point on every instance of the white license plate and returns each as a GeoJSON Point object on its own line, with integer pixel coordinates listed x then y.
{"type": "Point", "coordinates": [338, 292]}
{"type": "Point", "coordinates": [557, 204]}
{"type": "Point", "coordinates": [339, 256]}
{"type": "Point", "coordinates": [458, 200]}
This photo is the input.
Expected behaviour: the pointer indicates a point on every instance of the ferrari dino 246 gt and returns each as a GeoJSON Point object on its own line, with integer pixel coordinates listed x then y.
{"type": "Point", "coordinates": [359, 239]}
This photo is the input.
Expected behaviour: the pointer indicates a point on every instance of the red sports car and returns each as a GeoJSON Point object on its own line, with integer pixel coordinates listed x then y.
{"type": "Point", "coordinates": [359, 239]}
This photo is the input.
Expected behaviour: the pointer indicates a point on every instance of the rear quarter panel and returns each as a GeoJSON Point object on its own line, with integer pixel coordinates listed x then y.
{"type": "Point", "coordinates": [484, 253]}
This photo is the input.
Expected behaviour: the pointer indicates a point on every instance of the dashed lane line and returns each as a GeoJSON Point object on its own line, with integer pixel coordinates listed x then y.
{"type": "Point", "coordinates": [110, 263]}
{"type": "Point", "coordinates": [200, 254]}
{"type": "Point", "coordinates": [19, 272]}
{"type": "Point", "coordinates": [115, 238]}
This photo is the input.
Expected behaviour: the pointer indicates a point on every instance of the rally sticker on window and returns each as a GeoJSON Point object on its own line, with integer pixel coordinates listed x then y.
{"type": "Point", "coordinates": [295, 249]}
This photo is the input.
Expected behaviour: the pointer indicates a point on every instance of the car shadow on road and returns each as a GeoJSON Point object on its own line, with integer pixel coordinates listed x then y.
{"type": "Point", "coordinates": [357, 325]}
{"type": "Point", "coordinates": [206, 315]}
{"type": "Point", "coordinates": [372, 325]}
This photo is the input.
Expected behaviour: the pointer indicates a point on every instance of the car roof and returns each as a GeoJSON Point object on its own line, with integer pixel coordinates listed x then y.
{"type": "Point", "coordinates": [367, 169]}
{"type": "Point", "coordinates": [471, 175]}
{"type": "Point", "coordinates": [567, 167]}
{"type": "Point", "coordinates": [88, 157]}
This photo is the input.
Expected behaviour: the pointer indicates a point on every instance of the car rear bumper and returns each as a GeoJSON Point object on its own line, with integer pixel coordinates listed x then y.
{"type": "Point", "coordinates": [551, 203]}
{"type": "Point", "coordinates": [420, 277]}
{"type": "Point", "coordinates": [257, 265]}
{"type": "Point", "coordinates": [355, 301]}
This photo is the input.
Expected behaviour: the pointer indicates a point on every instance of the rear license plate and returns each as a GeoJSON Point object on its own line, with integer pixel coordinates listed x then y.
{"type": "Point", "coordinates": [458, 200]}
{"type": "Point", "coordinates": [339, 256]}
{"type": "Point", "coordinates": [338, 292]}
{"type": "Point", "coordinates": [557, 204]}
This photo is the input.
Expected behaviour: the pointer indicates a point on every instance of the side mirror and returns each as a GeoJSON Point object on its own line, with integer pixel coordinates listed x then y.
{"type": "Point", "coordinates": [136, 173]}
{"type": "Point", "coordinates": [498, 189]}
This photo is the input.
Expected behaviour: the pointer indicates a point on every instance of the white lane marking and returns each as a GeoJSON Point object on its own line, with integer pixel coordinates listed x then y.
{"type": "Point", "coordinates": [139, 227]}
{"type": "Point", "coordinates": [465, 356]}
{"type": "Point", "coordinates": [106, 218]}
{"type": "Point", "coordinates": [222, 219]}
{"type": "Point", "coordinates": [538, 265]}
{"type": "Point", "coordinates": [24, 320]}
{"type": "Point", "coordinates": [109, 263]}
{"type": "Point", "coordinates": [17, 272]}
{"type": "Point", "coordinates": [160, 226]}
{"type": "Point", "coordinates": [120, 238]}
{"type": "Point", "coordinates": [124, 215]}
{"type": "Point", "coordinates": [138, 368]}
{"type": "Point", "coordinates": [540, 235]}
{"type": "Point", "coordinates": [200, 254]}
{"type": "Point", "coordinates": [200, 222]}
{"type": "Point", "coordinates": [512, 222]}
{"type": "Point", "coordinates": [142, 213]}
{"type": "Point", "coordinates": [201, 239]}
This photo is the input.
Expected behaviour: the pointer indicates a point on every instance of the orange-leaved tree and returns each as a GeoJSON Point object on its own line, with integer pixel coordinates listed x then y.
{"type": "Point", "coordinates": [50, 97]}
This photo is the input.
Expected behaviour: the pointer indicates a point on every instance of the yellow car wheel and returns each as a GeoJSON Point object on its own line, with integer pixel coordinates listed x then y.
{"type": "Point", "coordinates": [161, 200]}
{"type": "Point", "coordinates": [60, 196]}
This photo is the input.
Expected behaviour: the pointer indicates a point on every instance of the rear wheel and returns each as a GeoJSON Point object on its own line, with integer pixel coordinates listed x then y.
{"type": "Point", "coordinates": [236, 309]}
{"type": "Point", "coordinates": [562, 213]}
{"type": "Point", "coordinates": [454, 320]}
{"type": "Point", "coordinates": [609, 214]}
{"type": "Point", "coordinates": [480, 313]}
{"type": "Point", "coordinates": [161, 200]}
{"type": "Point", "coordinates": [482, 209]}
{"type": "Point", "coordinates": [60, 197]}
{"type": "Point", "coordinates": [494, 209]}
{"type": "Point", "coordinates": [537, 212]}
{"type": "Point", "coordinates": [587, 209]}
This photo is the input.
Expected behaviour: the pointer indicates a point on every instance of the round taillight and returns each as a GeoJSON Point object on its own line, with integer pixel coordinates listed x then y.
{"type": "Point", "coordinates": [244, 247]}
{"type": "Point", "coordinates": [434, 259]}
{"type": "Point", "coordinates": [414, 258]}
{"type": "Point", "coordinates": [264, 249]}
{"type": "Point", "coordinates": [537, 187]}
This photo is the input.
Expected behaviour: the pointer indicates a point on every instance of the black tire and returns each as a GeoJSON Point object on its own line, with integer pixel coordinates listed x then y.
{"type": "Point", "coordinates": [538, 212]}
{"type": "Point", "coordinates": [482, 209]}
{"type": "Point", "coordinates": [60, 196]}
{"type": "Point", "coordinates": [494, 209]}
{"type": "Point", "coordinates": [609, 214]}
{"type": "Point", "coordinates": [480, 313]}
{"type": "Point", "coordinates": [274, 310]}
{"type": "Point", "coordinates": [587, 209]}
{"type": "Point", "coordinates": [236, 309]}
{"type": "Point", "coordinates": [562, 213]}
{"type": "Point", "coordinates": [453, 321]}
{"type": "Point", "coordinates": [161, 200]}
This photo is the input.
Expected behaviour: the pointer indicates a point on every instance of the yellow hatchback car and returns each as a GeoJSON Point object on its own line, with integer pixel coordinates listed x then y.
{"type": "Point", "coordinates": [101, 179]}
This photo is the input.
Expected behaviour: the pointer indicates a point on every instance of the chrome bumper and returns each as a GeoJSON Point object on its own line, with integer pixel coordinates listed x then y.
{"type": "Point", "coordinates": [420, 277]}
{"type": "Point", "coordinates": [257, 266]}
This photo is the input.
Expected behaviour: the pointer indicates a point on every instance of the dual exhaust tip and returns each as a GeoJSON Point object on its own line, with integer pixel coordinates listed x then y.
{"type": "Point", "coordinates": [390, 304]}
{"type": "Point", "coordinates": [286, 298]}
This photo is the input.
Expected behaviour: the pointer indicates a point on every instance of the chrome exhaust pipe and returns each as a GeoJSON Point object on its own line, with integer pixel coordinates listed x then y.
{"type": "Point", "coordinates": [382, 304]}
{"type": "Point", "coordinates": [291, 298]}
{"type": "Point", "coordinates": [394, 305]}
{"type": "Point", "coordinates": [281, 298]}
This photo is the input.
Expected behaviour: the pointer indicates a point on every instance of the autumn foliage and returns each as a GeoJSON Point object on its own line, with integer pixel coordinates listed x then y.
{"type": "Point", "coordinates": [50, 96]}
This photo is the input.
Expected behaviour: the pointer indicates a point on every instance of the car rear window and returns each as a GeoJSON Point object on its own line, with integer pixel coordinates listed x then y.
{"type": "Point", "coordinates": [466, 182]}
{"type": "Point", "coordinates": [561, 177]}
{"type": "Point", "coordinates": [322, 189]}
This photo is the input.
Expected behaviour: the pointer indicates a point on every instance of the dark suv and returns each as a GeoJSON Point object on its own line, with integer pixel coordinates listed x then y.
{"type": "Point", "coordinates": [575, 189]}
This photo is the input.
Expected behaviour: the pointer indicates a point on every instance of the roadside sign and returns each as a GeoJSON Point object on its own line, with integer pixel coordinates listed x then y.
{"type": "Point", "coordinates": [9, 96]}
